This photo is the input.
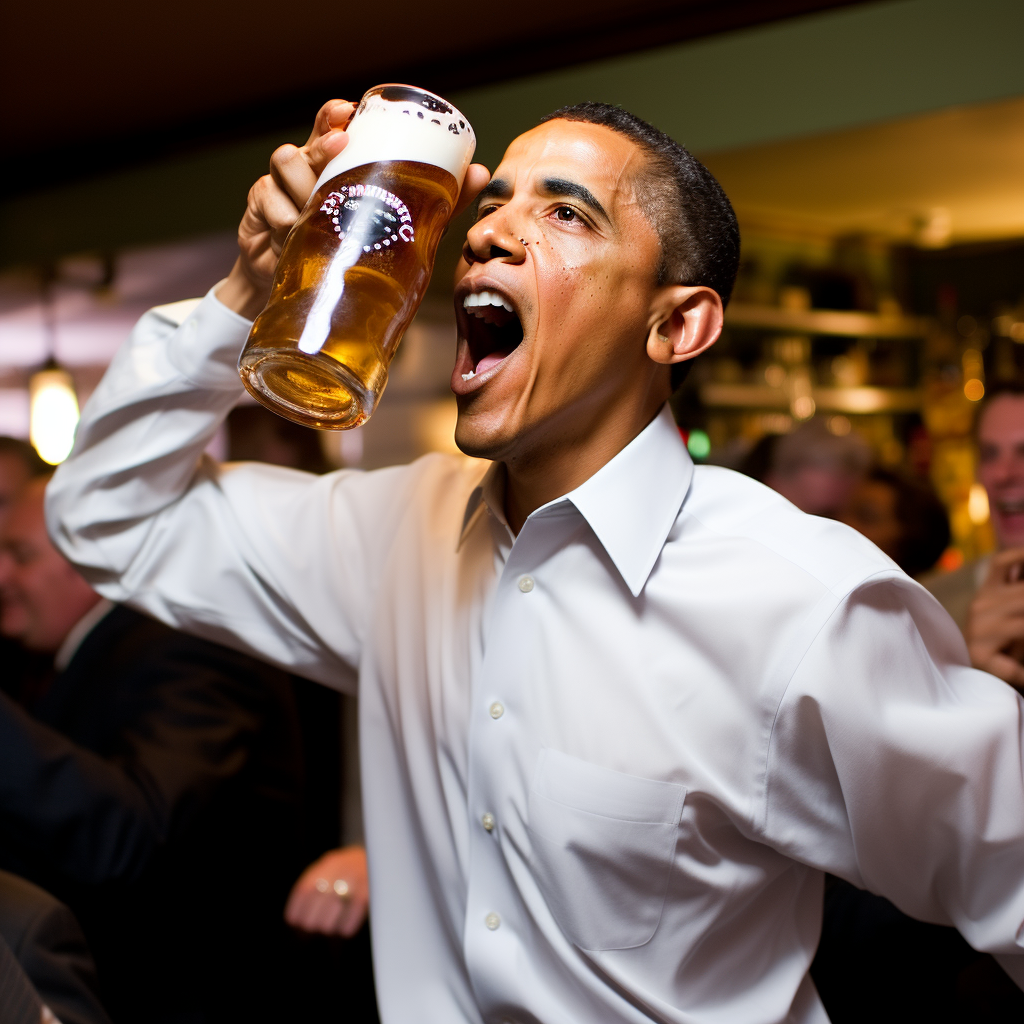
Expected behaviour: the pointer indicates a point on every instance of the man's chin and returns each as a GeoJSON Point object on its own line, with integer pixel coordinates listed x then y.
{"type": "Point", "coordinates": [483, 436]}
{"type": "Point", "coordinates": [14, 627]}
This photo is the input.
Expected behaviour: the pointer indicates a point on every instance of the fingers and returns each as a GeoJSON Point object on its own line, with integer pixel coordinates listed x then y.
{"type": "Point", "coordinates": [315, 904]}
{"type": "Point", "coordinates": [269, 204]}
{"type": "Point", "coordinates": [308, 910]}
{"type": "Point", "coordinates": [329, 136]}
{"type": "Point", "coordinates": [333, 114]}
{"type": "Point", "coordinates": [352, 917]}
{"type": "Point", "coordinates": [321, 152]}
{"type": "Point", "coordinates": [291, 172]}
{"type": "Point", "coordinates": [1005, 567]}
{"type": "Point", "coordinates": [476, 177]}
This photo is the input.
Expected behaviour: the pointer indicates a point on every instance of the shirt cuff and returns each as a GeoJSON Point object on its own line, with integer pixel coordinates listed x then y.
{"type": "Point", "coordinates": [208, 341]}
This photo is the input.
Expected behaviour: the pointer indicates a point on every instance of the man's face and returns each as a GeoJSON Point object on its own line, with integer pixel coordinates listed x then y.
{"type": "Point", "coordinates": [1001, 467]}
{"type": "Point", "coordinates": [41, 595]}
{"type": "Point", "coordinates": [561, 239]}
{"type": "Point", "coordinates": [13, 477]}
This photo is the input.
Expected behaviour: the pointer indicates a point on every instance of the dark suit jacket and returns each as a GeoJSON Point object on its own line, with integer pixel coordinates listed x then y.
{"type": "Point", "coordinates": [155, 788]}
{"type": "Point", "coordinates": [19, 1001]}
{"type": "Point", "coordinates": [43, 957]}
{"type": "Point", "coordinates": [874, 963]}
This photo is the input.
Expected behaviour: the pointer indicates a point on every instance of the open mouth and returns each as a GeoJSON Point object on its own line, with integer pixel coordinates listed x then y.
{"type": "Point", "coordinates": [493, 331]}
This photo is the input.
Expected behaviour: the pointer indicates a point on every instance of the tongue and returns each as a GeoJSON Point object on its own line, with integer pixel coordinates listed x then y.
{"type": "Point", "coordinates": [489, 360]}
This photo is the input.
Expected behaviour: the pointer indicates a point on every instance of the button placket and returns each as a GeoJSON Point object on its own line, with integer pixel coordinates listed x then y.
{"type": "Point", "coordinates": [491, 898]}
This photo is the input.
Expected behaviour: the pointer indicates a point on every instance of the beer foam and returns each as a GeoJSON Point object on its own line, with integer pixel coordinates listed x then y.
{"type": "Point", "coordinates": [399, 122]}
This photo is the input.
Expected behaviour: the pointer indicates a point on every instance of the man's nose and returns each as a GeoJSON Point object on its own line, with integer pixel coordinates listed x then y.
{"type": "Point", "coordinates": [494, 238]}
{"type": "Point", "coordinates": [1006, 471]}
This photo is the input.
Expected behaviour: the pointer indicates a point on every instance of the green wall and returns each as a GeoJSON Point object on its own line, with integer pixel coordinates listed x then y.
{"type": "Point", "coordinates": [825, 71]}
{"type": "Point", "coordinates": [818, 73]}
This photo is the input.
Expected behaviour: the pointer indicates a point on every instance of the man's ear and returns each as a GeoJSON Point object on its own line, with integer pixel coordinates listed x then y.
{"type": "Point", "coordinates": [684, 321]}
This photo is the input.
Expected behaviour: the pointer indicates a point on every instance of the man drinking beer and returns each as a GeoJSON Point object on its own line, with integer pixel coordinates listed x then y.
{"type": "Point", "coordinates": [619, 714]}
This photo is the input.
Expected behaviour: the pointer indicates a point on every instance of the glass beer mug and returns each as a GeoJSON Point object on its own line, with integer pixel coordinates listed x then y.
{"type": "Point", "coordinates": [356, 264]}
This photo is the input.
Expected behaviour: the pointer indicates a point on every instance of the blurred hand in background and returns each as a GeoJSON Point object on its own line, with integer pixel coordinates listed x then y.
{"type": "Point", "coordinates": [332, 895]}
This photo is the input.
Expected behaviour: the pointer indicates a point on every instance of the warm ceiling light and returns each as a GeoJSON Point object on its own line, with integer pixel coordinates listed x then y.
{"type": "Point", "coordinates": [53, 415]}
{"type": "Point", "coordinates": [977, 504]}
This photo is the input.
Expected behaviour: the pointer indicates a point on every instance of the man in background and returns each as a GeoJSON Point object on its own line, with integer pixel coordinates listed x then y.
{"type": "Point", "coordinates": [19, 463]}
{"type": "Point", "coordinates": [986, 596]}
{"type": "Point", "coordinates": [151, 781]}
{"type": "Point", "coordinates": [813, 468]}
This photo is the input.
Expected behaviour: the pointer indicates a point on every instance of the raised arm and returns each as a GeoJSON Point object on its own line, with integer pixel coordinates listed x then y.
{"type": "Point", "coordinates": [274, 562]}
{"type": "Point", "coordinates": [898, 767]}
{"type": "Point", "coordinates": [251, 556]}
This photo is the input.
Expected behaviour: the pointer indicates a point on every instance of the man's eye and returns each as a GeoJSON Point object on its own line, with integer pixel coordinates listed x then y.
{"type": "Point", "coordinates": [566, 213]}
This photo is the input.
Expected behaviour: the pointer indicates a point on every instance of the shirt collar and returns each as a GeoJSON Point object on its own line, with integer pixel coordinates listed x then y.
{"type": "Point", "coordinates": [630, 503]}
{"type": "Point", "coordinates": [79, 631]}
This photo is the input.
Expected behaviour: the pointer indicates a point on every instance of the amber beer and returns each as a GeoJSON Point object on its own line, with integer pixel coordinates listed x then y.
{"type": "Point", "coordinates": [356, 264]}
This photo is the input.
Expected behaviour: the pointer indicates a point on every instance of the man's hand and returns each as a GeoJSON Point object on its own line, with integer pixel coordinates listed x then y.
{"type": "Point", "coordinates": [332, 895]}
{"type": "Point", "coordinates": [277, 199]}
{"type": "Point", "coordinates": [995, 622]}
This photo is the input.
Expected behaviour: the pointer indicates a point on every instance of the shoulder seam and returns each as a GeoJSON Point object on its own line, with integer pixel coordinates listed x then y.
{"type": "Point", "coordinates": [839, 595]}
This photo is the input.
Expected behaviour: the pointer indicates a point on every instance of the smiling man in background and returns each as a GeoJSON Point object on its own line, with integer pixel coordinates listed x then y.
{"type": "Point", "coordinates": [986, 596]}
{"type": "Point", "coordinates": [619, 714]}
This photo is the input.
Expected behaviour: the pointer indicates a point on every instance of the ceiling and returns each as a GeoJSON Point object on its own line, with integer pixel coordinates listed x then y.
{"type": "Point", "coordinates": [122, 81]}
{"type": "Point", "coordinates": [952, 176]}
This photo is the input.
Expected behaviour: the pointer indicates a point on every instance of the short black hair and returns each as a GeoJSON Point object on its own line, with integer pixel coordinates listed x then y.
{"type": "Point", "coordinates": [700, 239]}
{"type": "Point", "coordinates": [15, 448]}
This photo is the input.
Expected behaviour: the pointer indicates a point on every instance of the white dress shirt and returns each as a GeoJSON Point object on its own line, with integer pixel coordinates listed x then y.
{"type": "Point", "coordinates": [605, 762]}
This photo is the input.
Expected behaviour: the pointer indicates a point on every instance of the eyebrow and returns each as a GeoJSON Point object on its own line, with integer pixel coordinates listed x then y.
{"type": "Point", "coordinates": [562, 187]}
{"type": "Point", "coordinates": [498, 188]}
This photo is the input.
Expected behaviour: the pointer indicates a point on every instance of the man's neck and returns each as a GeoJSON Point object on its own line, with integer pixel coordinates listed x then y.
{"type": "Point", "coordinates": [549, 469]}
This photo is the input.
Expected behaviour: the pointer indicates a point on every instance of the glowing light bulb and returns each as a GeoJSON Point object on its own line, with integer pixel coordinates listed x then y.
{"type": "Point", "coordinates": [977, 504]}
{"type": "Point", "coordinates": [974, 390]}
{"type": "Point", "coordinates": [53, 414]}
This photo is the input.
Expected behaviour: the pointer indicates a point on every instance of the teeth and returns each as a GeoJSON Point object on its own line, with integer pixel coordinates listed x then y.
{"type": "Point", "coordinates": [485, 299]}
{"type": "Point", "coordinates": [470, 375]}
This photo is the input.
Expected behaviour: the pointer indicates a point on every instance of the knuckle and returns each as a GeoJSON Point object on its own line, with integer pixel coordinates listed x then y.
{"type": "Point", "coordinates": [283, 154]}
{"type": "Point", "coordinates": [263, 186]}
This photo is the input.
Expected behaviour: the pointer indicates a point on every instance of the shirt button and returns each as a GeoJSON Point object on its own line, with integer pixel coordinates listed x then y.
{"type": "Point", "coordinates": [488, 821]}
{"type": "Point", "coordinates": [526, 584]}
{"type": "Point", "coordinates": [497, 710]}
{"type": "Point", "coordinates": [492, 921]}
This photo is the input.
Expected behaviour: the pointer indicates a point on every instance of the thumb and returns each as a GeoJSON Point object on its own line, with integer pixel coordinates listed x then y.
{"type": "Point", "coordinates": [476, 177]}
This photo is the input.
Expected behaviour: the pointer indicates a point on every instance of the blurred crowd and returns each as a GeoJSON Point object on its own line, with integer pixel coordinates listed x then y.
{"type": "Point", "coordinates": [173, 841]}
{"type": "Point", "coordinates": [173, 837]}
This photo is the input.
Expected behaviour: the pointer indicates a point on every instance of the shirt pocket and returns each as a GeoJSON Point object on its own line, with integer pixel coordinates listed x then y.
{"type": "Point", "coordinates": [603, 844]}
